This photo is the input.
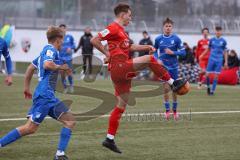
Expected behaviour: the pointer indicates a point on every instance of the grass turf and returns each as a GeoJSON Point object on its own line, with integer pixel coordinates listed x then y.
{"type": "Point", "coordinates": [205, 136]}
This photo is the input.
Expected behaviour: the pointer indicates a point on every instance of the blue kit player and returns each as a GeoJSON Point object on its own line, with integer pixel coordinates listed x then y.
{"type": "Point", "coordinates": [4, 51]}
{"type": "Point", "coordinates": [218, 51]}
{"type": "Point", "coordinates": [66, 52]}
{"type": "Point", "coordinates": [168, 48]}
{"type": "Point", "coordinates": [44, 100]}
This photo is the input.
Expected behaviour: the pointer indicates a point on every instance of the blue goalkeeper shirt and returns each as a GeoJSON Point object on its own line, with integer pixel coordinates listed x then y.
{"type": "Point", "coordinates": [68, 42]}
{"type": "Point", "coordinates": [174, 43]}
{"type": "Point", "coordinates": [47, 78]}
{"type": "Point", "coordinates": [217, 47]}
{"type": "Point", "coordinates": [4, 51]}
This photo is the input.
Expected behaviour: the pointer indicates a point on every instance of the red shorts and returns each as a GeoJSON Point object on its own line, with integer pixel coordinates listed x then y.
{"type": "Point", "coordinates": [203, 64]}
{"type": "Point", "coordinates": [122, 72]}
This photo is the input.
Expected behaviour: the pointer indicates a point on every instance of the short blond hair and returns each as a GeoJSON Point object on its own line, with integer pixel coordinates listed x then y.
{"type": "Point", "coordinates": [53, 33]}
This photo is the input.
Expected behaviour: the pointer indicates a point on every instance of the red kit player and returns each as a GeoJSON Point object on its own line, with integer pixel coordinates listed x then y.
{"type": "Point", "coordinates": [201, 56]}
{"type": "Point", "coordinates": [123, 68]}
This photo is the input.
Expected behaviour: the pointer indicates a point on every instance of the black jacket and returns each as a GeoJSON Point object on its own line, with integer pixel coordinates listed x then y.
{"type": "Point", "coordinates": [233, 61]}
{"type": "Point", "coordinates": [188, 59]}
{"type": "Point", "coordinates": [87, 47]}
{"type": "Point", "coordinates": [145, 41]}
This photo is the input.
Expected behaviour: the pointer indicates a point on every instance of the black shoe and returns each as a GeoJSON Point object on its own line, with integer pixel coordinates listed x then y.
{"type": "Point", "coordinates": [177, 84]}
{"type": "Point", "coordinates": [110, 144]}
{"type": "Point", "coordinates": [211, 93]}
{"type": "Point", "coordinates": [64, 157]}
{"type": "Point", "coordinates": [208, 91]}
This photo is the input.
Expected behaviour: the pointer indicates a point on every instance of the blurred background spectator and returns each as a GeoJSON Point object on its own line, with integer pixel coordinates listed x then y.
{"type": "Point", "coordinates": [233, 60]}
{"type": "Point", "coordinates": [189, 58]}
{"type": "Point", "coordinates": [87, 50]}
{"type": "Point", "coordinates": [145, 41]}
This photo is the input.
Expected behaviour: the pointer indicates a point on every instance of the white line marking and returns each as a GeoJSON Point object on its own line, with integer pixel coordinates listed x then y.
{"type": "Point", "coordinates": [137, 114]}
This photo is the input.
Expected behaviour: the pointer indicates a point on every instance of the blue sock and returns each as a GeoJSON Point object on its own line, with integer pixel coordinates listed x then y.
{"type": "Point", "coordinates": [70, 79]}
{"type": "Point", "coordinates": [214, 85]}
{"type": "Point", "coordinates": [64, 82]}
{"type": "Point", "coordinates": [175, 104]}
{"type": "Point", "coordinates": [12, 136]}
{"type": "Point", "coordinates": [64, 138]}
{"type": "Point", "coordinates": [208, 82]}
{"type": "Point", "coordinates": [167, 106]}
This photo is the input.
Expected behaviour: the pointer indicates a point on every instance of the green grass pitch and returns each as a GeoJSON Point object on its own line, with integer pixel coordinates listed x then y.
{"type": "Point", "coordinates": [196, 137]}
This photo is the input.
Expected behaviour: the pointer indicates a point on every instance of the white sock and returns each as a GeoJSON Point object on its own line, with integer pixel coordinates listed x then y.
{"type": "Point", "coordinates": [170, 81]}
{"type": "Point", "coordinates": [60, 153]}
{"type": "Point", "coordinates": [109, 136]}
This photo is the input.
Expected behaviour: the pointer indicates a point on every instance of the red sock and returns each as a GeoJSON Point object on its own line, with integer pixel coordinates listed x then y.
{"type": "Point", "coordinates": [114, 120]}
{"type": "Point", "coordinates": [158, 69]}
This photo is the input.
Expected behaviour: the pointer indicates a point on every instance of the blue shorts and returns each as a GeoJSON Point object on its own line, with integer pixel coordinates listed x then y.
{"type": "Point", "coordinates": [42, 107]}
{"type": "Point", "coordinates": [173, 73]}
{"type": "Point", "coordinates": [214, 66]}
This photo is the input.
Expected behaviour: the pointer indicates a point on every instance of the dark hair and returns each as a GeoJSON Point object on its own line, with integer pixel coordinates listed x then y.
{"type": "Point", "coordinates": [145, 32]}
{"type": "Point", "coordinates": [205, 29]}
{"type": "Point", "coordinates": [234, 52]}
{"type": "Point", "coordinates": [168, 20]}
{"type": "Point", "coordinates": [218, 28]}
{"type": "Point", "coordinates": [63, 25]}
{"type": "Point", "coordinates": [121, 7]}
{"type": "Point", "coordinates": [53, 33]}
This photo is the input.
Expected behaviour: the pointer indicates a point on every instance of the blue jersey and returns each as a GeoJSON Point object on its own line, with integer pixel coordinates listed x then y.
{"type": "Point", "coordinates": [174, 43]}
{"type": "Point", "coordinates": [47, 78]}
{"type": "Point", "coordinates": [4, 51]}
{"type": "Point", "coordinates": [68, 42]}
{"type": "Point", "coordinates": [217, 47]}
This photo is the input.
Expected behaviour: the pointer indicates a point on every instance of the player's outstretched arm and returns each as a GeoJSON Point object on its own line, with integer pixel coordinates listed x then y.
{"type": "Point", "coordinates": [27, 81]}
{"type": "Point", "coordinates": [136, 47]}
{"type": "Point", "coordinates": [50, 65]}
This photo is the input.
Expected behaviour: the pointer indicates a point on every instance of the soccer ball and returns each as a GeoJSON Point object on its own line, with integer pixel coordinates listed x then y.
{"type": "Point", "coordinates": [184, 89]}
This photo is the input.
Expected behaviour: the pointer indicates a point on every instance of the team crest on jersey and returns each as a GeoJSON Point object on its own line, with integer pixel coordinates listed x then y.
{"type": "Point", "coordinates": [172, 42]}
{"type": "Point", "coordinates": [38, 114]}
{"type": "Point", "coordinates": [49, 53]}
{"type": "Point", "coordinates": [105, 32]}
{"type": "Point", "coordinates": [161, 42]}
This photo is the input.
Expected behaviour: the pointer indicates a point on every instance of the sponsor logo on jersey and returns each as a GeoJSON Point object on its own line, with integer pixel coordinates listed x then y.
{"type": "Point", "coordinates": [105, 32]}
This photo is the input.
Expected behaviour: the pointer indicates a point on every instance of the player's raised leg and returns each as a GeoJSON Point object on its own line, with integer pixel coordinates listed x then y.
{"type": "Point", "coordinates": [158, 69]}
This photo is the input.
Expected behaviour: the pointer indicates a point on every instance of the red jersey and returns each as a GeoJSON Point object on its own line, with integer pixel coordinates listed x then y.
{"type": "Point", "coordinates": [201, 47]}
{"type": "Point", "coordinates": [117, 39]}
